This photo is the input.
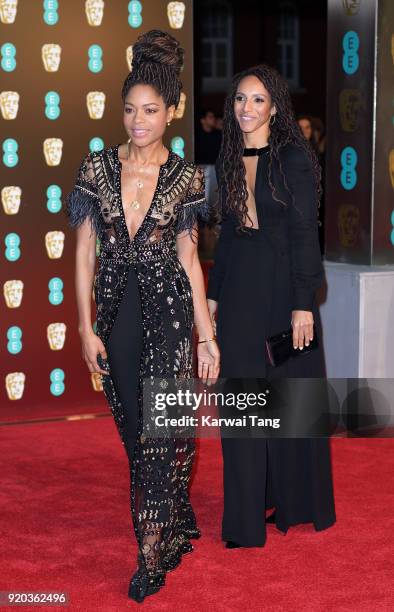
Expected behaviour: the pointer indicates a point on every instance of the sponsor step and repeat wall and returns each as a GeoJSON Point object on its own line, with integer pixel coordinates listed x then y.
{"type": "Point", "coordinates": [63, 64]}
{"type": "Point", "coordinates": [360, 120]}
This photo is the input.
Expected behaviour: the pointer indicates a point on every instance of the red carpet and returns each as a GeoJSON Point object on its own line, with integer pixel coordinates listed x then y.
{"type": "Point", "coordinates": [66, 526]}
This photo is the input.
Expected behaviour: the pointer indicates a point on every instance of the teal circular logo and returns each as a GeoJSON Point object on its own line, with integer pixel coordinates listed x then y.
{"type": "Point", "coordinates": [95, 54]}
{"type": "Point", "coordinates": [12, 251]}
{"type": "Point", "coordinates": [350, 46]}
{"type": "Point", "coordinates": [392, 231]}
{"type": "Point", "coordinates": [177, 145]}
{"type": "Point", "coordinates": [10, 152]}
{"type": "Point", "coordinates": [8, 61]}
{"type": "Point", "coordinates": [14, 337]}
{"type": "Point", "coordinates": [135, 17]}
{"type": "Point", "coordinates": [51, 16]}
{"type": "Point", "coordinates": [56, 378]}
{"type": "Point", "coordinates": [96, 144]}
{"type": "Point", "coordinates": [52, 100]}
{"type": "Point", "coordinates": [348, 172]}
{"type": "Point", "coordinates": [54, 198]}
{"type": "Point", "coordinates": [55, 286]}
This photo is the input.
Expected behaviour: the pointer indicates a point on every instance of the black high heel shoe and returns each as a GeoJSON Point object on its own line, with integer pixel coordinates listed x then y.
{"type": "Point", "coordinates": [231, 544]}
{"type": "Point", "coordinates": [141, 586]}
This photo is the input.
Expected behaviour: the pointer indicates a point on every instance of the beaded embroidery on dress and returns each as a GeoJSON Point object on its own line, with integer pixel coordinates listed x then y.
{"type": "Point", "coordinates": [163, 518]}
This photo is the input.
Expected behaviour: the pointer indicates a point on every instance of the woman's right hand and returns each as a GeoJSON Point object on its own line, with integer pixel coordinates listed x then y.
{"type": "Point", "coordinates": [91, 346]}
{"type": "Point", "coordinates": [212, 307]}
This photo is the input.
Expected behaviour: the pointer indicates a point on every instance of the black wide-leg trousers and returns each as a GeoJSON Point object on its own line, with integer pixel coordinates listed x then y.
{"type": "Point", "coordinates": [124, 353]}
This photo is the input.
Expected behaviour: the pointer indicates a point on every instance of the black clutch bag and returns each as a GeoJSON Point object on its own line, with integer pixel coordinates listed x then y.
{"type": "Point", "coordinates": [280, 347]}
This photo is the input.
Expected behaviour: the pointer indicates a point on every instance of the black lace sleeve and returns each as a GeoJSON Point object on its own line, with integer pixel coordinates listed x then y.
{"type": "Point", "coordinates": [83, 201]}
{"type": "Point", "coordinates": [194, 206]}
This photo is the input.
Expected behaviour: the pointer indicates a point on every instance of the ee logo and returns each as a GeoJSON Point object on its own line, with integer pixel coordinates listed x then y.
{"type": "Point", "coordinates": [55, 287]}
{"type": "Point", "coordinates": [57, 381]}
{"type": "Point", "coordinates": [54, 195]}
{"type": "Point", "coordinates": [8, 61]}
{"type": "Point", "coordinates": [96, 144]}
{"type": "Point", "coordinates": [135, 17]}
{"type": "Point", "coordinates": [348, 163]}
{"type": "Point", "coordinates": [12, 243]}
{"type": "Point", "coordinates": [14, 337]}
{"type": "Point", "coordinates": [392, 231]}
{"type": "Point", "coordinates": [350, 45]}
{"type": "Point", "coordinates": [95, 54]}
{"type": "Point", "coordinates": [177, 145]}
{"type": "Point", "coordinates": [10, 152]}
{"type": "Point", "coordinates": [51, 16]}
{"type": "Point", "coordinates": [52, 110]}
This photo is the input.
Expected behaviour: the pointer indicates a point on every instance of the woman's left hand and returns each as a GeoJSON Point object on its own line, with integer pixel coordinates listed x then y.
{"type": "Point", "coordinates": [208, 356]}
{"type": "Point", "coordinates": [302, 324]}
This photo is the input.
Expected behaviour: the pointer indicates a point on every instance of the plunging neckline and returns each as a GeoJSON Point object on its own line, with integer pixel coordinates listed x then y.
{"type": "Point", "coordinates": [154, 197]}
{"type": "Point", "coordinates": [259, 157]}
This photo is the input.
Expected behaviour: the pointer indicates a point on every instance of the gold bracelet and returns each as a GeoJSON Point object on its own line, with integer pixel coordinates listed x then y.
{"type": "Point", "coordinates": [209, 340]}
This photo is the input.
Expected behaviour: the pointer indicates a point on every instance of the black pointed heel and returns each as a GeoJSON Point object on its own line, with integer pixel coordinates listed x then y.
{"type": "Point", "coordinates": [142, 586]}
{"type": "Point", "coordinates": [231, 544]}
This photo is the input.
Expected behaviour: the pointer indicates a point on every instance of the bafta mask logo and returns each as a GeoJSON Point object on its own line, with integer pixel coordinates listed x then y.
{"type": "Point", "coordinates": [8, 10]}
{"type": "Point", "coordinates": [96, 380]}
{"type": "Point", "coordinates": [129, 57]}
{"type": "Point", "coordinates": [391, 167]}
{"type": "Point", "coordinates": [348, 223]}
{"type": "Point", "coordinates": [54, 243]}
{"type": "Point", "coordinates": [51, 55]}
{"type": "Point", "coordinates": [176, 14]}
{"type": "Point", "coordinates": [9, 104]}
{"type": "Point", "coordinates": [13, 293]}
{"type": "Point", "coordinates": [15, 385]}
{"type": "Point", "coordinates": [11, 199]}
{"type": "Point", "coordinates": [53, 148]}
{"type": "Point", "coordinates": [350, 108]}
{"type": "Point", "coordinates": [95, 101]}
{"type": "Point", "coordinates": [180, 109]}
{"type": "Point", "coordinates": [56, 335]}
{"type": "Point", "coordinates": [351, 7]}
{"type": "Point", "coordinates": [94, 12]}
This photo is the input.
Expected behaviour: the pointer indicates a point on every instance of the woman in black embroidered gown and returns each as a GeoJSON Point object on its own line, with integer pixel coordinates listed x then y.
{"type": "Point", "coordinates": [266, 270]}
{"type": "Point", "coordinates": [143, 203]}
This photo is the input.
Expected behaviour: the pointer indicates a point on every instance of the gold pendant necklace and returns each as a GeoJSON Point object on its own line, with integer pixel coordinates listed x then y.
{"type": "Point", "coordinates": [135, 204]}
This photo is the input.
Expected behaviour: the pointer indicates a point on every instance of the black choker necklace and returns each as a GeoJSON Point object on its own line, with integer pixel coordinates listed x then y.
{"type": "Point", "coordinates": [249, 152]}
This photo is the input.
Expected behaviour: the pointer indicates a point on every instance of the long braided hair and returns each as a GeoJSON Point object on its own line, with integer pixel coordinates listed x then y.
{"type": "Point", "coordinates": [284, 129]}
{"type": "Point", "coordinates": [157, 61]}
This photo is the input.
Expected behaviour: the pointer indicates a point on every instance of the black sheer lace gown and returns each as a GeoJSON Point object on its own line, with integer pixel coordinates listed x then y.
{"type": "Point", "coordinates": [143, 293]}
{"type": "Point", "coordinates": [259, 277]}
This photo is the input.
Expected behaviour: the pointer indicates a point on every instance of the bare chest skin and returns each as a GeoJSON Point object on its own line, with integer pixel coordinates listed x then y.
{"type": "Point", "coordinates": [251, 168]}
{"type": "Point", "coordinates": [130, 177]}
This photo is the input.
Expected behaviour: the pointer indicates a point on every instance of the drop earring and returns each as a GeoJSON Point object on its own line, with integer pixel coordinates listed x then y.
{"type": "Point", "coordinates": [168, 123]}
{"type": "Point", "coordinates": [273, 118]}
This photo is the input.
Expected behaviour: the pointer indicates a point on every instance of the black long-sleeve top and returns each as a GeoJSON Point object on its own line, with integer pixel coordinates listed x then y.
{"type": "Point", "coordinates": [294, 228]}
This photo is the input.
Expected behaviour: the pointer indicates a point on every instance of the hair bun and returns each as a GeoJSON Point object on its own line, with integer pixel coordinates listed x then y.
{"type": "Point", "coordinates": [158, 47]}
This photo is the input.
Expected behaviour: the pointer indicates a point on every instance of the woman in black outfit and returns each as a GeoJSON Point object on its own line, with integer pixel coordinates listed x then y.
{"type": "Point", "coordinates": [143, 202]}
{"type": "Point", "coordinates": [266, 270]}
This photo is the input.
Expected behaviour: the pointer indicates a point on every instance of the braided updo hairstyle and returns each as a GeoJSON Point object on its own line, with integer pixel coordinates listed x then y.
{"type": "Point", "coordinates": [157, 61]}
